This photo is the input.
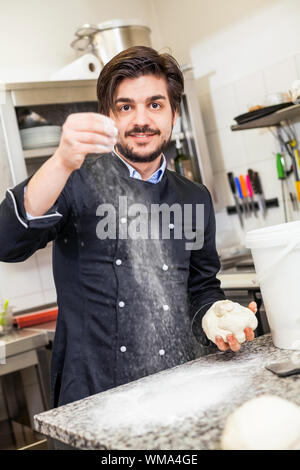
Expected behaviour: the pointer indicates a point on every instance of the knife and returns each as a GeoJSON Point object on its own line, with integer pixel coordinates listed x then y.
{"type": "Point", "coordinates": [245, 193]}
{"type": "Point", "coordinates": [244, 205]}
{"type": "Point", "coordinates": [257, 188]}
{"type": "Point", "coordinates": [250, 191]}
{"type": "Point", "coordinates": [236, 199]}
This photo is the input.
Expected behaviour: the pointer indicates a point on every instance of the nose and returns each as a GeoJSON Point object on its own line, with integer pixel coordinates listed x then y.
{"type": "Point", "coordinates": [141, 117]}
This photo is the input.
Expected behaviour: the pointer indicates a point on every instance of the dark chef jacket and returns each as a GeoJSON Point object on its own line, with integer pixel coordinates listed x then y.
{"type": "Point", "coordinates": [127, 307]}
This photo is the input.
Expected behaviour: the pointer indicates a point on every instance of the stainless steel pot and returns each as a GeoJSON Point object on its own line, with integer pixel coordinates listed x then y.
{"type": "Point", "coordinates": [107, 39]}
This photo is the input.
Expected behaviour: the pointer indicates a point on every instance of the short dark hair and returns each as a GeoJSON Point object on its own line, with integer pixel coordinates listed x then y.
{"type": "Point", "coordinates": [132, 63]}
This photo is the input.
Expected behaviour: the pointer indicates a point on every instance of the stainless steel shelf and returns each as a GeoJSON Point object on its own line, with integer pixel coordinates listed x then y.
{"type": "Point", "coordinates": [39, 152]}
{"type": "Point", "coordinates": [274, 119]}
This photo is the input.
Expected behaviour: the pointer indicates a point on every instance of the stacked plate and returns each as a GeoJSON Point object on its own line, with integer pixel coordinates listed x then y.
{"type": "Point", "coordinates": [40, 136]}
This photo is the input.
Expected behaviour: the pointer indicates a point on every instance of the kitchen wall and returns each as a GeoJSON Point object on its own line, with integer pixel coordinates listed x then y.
{"type": "Point", "coordinates": [38, 34]}
{"type": "Point", "coordinates": [240, 51]}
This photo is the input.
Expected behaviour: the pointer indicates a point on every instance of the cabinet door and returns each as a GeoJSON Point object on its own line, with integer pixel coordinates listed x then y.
{"type": "Point", "coordinates": [11, 152]}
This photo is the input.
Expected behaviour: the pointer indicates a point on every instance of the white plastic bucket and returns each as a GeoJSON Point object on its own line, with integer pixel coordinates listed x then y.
{"type": "Point", "coordinates": [276, 256]}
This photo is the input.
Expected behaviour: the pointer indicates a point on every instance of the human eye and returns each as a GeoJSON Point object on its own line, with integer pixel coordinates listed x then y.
{"type": "Point", "coordinates": [155, 105]}
{"type": "Point", "coordinates": [125, 107]}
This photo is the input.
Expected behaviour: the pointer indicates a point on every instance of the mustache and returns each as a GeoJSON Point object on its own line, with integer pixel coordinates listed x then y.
{"type": "Point", "coordinates": [142, 130]}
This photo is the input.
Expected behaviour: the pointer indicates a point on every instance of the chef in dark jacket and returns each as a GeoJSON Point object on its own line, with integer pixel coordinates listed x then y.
{"type": "Point", "coordinates": [130, 303]}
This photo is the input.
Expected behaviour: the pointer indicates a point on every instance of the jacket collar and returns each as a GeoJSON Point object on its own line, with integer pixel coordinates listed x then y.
{"type": "Point", "coordinates": [133, 173]}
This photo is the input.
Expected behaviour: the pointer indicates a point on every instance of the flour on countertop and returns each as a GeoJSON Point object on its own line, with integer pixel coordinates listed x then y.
{"type": "Point", "coordinates": [167, 399]}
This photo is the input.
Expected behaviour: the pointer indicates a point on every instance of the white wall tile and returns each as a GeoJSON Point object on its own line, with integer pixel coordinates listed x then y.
{"type": "Point", "coordinates": [207, 111]}
{"type": "Point", "coordinates": [25, 302]}
{"type": "Point", "coordinates": [274, 216]}
{"type": "Point", "coordinates": [44, 262]}
{"type": "Point", "coordinates": [250, 91]}
{"type": "Point", "coordinates": [297, 60]}
{"type": "Point", "coordinates": [296, 130]}
{"type": "Point", "coordinates": [232, 149]}
{"type": "Point", "coordinates": [228, 230]}
{"type": "Point", "coordinates": [253, 222]}
{"type": "Point", "coordinates": [215, 151]}
{"type": "Point", "coordinates": [260, 145]}
{"type": "Point", "coordinates": [202, 84]}
{"type": "Point", "coordinates": [268, 177]}
{"type": "Point", "coordinates": [222, 188]}
{"type": "Point", "coordinates": [19, 279]}
{"type": "Point", "coordinates": [224, 105]}
{"type": "Point", "coordinates": [50, 296]}
{"type": "Point", "coordinates": [279, 76]}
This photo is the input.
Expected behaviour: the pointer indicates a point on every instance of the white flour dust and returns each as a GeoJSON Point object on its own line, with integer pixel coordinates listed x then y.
{"type": "Point", "coordinates": [166, 400]}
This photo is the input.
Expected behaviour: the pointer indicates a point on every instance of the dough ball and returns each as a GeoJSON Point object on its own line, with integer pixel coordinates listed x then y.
{"type": "Point", "coordinates": [267, 422]}
{"type": "Point", "coordinates": [226, 317]}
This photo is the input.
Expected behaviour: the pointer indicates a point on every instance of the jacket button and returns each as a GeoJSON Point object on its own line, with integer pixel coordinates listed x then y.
{"type": "Point", "coordinates": [118, 262]}
{"type": "Point", "coordinates": [161, 352]}
{"type": "Point", "coordinates": [171, 226]}
{"type": "Point", "coordinates": [166, 307]}
{"type": "Point", "coordinates": [123, 348]}
{"type": "Point", "coordinates": [165, 267]}
{"type": "Point", "coordinates": [123, 220]}
{"type": "Point", "coordinates": [121, 303]}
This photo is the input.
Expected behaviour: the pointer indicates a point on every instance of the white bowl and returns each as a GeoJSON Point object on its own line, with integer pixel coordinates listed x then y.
{"type": "Point", "coordinates": [41, 136]}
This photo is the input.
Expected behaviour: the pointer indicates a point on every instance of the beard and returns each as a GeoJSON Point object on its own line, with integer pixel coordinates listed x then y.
{"type": "Point", "coordinates": [134, 157]}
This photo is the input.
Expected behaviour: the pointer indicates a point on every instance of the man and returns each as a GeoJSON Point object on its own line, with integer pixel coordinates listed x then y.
{"type": "Point", "coordinates": [129, 304]}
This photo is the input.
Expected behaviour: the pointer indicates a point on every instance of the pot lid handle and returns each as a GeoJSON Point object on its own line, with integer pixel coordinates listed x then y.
{"type": "Point", "coordinates": [86, 30]}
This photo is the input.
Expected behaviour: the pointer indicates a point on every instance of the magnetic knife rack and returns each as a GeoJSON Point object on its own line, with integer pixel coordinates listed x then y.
{"type": "Point", "coordinates": [268, 202]}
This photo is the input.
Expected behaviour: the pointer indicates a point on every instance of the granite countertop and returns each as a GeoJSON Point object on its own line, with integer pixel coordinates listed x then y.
{"type": "Point", "coordinates": [181, 408]}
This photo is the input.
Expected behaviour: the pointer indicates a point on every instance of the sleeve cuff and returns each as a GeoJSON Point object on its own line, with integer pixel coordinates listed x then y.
{"type": "Point", "coordinates": [197, 324]}
{"type": "Point", "coordinates": [49, 213]}
{"type": "Point", "coordinates": [16, 196]}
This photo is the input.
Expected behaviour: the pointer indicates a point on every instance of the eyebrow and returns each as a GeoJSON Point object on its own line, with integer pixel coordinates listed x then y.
{"type": "Point", "coordinates": [130, 100]}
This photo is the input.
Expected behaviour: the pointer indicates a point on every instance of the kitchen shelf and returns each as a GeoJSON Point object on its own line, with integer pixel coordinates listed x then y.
{"type": "Point", "coordinates": [39, 152]}
{"type": "Point", "coordinates": [274, 119]}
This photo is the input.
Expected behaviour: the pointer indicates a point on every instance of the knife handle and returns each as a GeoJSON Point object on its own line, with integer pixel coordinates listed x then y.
{"type": "Point", "coordinates": [249, 186]}
{"type": "Point", "coordinates": [231, 182]}
{"type": "Point", "coordinates": [279, 166]}
{"type": "Point", "coordinates": [237, 183]}
{"type": "Point", "coordinates": [257, 183]}
{"type": "Point", "coordinates": [243, 186]}
{"type": "Point", "coordinates": [297, 185]}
